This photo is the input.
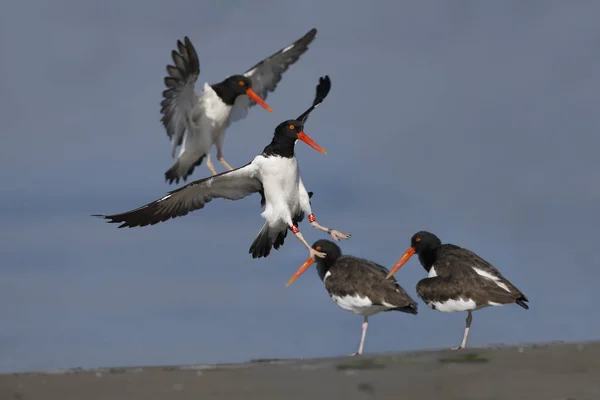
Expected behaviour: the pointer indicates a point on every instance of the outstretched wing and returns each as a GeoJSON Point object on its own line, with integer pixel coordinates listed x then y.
{"type": "Point", "coordinates": [322, 91]}
{"type": "Point", "coordinates": [180, 97]}
{"type": "Point", "coordinates": [266, 74]}
{"type": "Point", "coordinates": [232, 185]}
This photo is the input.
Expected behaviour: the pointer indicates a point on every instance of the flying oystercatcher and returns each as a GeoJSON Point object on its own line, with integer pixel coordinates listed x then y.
{"type": "Point", "coordinates": [197, 121]}
{"type": "Point", "coordinates": [357, 285]}
{"type": "Point", "coordinates": [274, 174]}
{"type": "Point", "coordinates": [459, 280]}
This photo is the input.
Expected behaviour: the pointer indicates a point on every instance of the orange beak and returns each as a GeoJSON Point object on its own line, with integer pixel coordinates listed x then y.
{"type": "Point", "coordinates": [252, 94]}
{"type": "Point", "coordinates": [405, 257]}
{"type": "Point", "coordinates": [304, 137]}
{"type": "Point", "coordinates": [300, 271]}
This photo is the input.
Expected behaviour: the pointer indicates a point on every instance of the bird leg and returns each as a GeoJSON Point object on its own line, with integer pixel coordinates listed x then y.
{"type": "Point", "coordinates": [210, 165]}
{"type": "Point", "coordinates": [313, 252]}
{"type": "Point", "coordinates": [365, 325]}
{"type": "Point", "coordinates": [336, 235]}
{"type": "Point", "coordinates": [225, 164]}
{"type": "Point", "coordinates": [468, 321]}
{"type": "Point", "coordinates": [220, 152]}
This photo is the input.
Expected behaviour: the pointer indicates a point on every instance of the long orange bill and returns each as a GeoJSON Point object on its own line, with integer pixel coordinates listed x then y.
{"type": "Point", "coordinates": [405, 257]}
{"type": "Point", "coordinates": [304, 137]}
{"type": "Point", "coordinates": [252, 94]}
{"type": "Point", "coordinates": [300, 271]}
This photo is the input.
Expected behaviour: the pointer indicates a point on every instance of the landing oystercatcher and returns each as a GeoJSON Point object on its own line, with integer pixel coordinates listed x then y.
{"type": "Point", "coordinates": [274, 174]}
{"type": "Point", "coordinates": [197, 121]}
{"type": "Point", "coordinates": [459, 280]}
{"type": "Point", "coordinates": [357, 285]}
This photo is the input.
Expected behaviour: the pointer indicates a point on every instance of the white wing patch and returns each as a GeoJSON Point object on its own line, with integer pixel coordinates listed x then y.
{"type": "Point", "coordinates": [453, 305]}
{"type": "Point", "coordinates": [291, 46]}
{"type": "Point", "coordinates": [493, 278]}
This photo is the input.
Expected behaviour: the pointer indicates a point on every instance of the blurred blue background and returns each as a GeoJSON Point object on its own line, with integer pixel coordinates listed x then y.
{"type": "Point", "coordinates": [477, 121]}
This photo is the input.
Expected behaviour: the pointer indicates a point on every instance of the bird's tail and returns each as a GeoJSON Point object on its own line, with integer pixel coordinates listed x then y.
{"type": "Point", "coordinates": [522, 302]}
{"type": "Point", "coordinates": [183, 167]}
{"type": "Point", "coordinates": [266, 239]}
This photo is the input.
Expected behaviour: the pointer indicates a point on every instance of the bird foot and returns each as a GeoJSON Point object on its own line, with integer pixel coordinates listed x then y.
{"type": "Point", "coordinates": [337, 235]}
{"type": "Point", "coordinates": [355, 354]}
{"type": "Point", "coordinates": [458, 348]}
{"type": "Point", "coordinates": [314, 254]}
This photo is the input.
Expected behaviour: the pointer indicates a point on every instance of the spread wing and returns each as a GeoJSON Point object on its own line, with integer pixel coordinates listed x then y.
{"type": "Point", "coordinates": [180, 97]}
{"type": "Point", "coordinates": [266, 74]}
{"type": "Point", "coordinates": [232, 185]}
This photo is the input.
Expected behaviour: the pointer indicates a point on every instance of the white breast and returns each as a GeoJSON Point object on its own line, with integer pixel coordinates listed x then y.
{"type": "Point", "coordinates": [357, 305]}
{"type": "Point", "coordinates": [215, 113]}
{"type": "Point", "coordinates": [280, 178]}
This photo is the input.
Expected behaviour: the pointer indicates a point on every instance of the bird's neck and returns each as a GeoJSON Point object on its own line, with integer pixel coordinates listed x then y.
{"type": "Point", "coordinates": [427, 258]}
{"type": "Point", "coordinates": [322, 267]}
{"type": "Point", "coordinates": [225, 93]}
{"type": "Point", "coordinates": [282, 147]}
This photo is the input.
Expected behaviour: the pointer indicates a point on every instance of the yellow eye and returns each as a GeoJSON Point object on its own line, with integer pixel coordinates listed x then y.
{"type": "Point", "coordinates": [241, 83]}
{"type": "Point", "coordinates": [417, 239]}
{"type": "Point", "coordinates": [318, 248]}
{"type": "Point", "coordinates": [292, 127]}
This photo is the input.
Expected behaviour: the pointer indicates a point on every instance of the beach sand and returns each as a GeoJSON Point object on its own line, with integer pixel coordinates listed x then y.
{"type": "Point", "coordinates": [554, 371]}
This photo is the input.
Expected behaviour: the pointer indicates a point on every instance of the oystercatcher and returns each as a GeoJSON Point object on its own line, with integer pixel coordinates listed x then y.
{"type": "Point", "coordinates": [459, 280]}
{"type": "Point", "coordinates": [274, 174]}
{"type": "Point", "coordinates": [357, 285]}
{"type": "Point", "coordinates": [197, 121]}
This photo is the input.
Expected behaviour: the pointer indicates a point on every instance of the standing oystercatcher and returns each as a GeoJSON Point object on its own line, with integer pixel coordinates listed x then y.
{"type": "Point", "coordinates": [274, 174]}
{"type": "Point", "coordinates": [197, 121]}
{"type": "Point", "coordinates": [357, 285]}
{"type": "Point", "coordinates": [459, 280]}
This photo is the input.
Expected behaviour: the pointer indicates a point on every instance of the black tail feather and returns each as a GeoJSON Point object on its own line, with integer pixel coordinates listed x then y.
{"type": "Point", "coordinates": [280, 239]}
{"type": "Point", "coordinates": [173, 174]}
{"type": "Point", "coordinates": [521, 301]}
{"type": "Point", "coordinates": [410, 309]}
{"type": "Point", "coordinates": [261, 247]}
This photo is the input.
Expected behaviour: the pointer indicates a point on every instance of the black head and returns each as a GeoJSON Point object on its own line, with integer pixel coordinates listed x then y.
{"type": "Point", "coordinates": [237, 85]}
{"type": "Point", "coordinates": [424, 241]}
{"type": "Point", "coordinates": [287, 132]}
{"type": "Point", "coordinates": [285, 137]}
{"type": "Point", "coordinates": [289, 129]}
{"type": "Point", "coordinates": [421, 243]}
{"type": "Point", "coordinates": [332, 252]}
{"type": "Point", "coordinates": [328, 247]}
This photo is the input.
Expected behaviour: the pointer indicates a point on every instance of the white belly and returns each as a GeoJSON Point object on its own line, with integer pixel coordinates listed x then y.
{"type": "Point", "coordinates": [453, 305]}
{"type": "Point", "coordinates": [281, 181]}
{"type": "Point", "coordinates": [208, 120]}
{"type": "Point", "coordinates": [357, 305]}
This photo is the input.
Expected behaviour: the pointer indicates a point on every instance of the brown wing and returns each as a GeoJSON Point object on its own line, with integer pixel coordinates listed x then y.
{"type": "Point", "coordinates": [363, 277]}
{"type": "Point", "coordinates": [267, 74]}
{"type": "Point", "coordinates": [232, 185]}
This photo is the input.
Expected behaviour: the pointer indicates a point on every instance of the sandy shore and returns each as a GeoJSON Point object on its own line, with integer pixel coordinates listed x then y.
{"type": "Point", "coordinates": [556, 371]}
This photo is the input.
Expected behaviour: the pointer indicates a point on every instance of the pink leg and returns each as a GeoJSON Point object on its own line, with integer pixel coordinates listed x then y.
{"type": "Point", "coordinates": [361, 346]}
{"type": "Point", "coordinates": [463, 344]}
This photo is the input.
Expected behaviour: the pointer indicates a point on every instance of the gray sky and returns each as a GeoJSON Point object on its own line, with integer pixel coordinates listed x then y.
{"type": "Point", "coordinates": [475, 120]}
